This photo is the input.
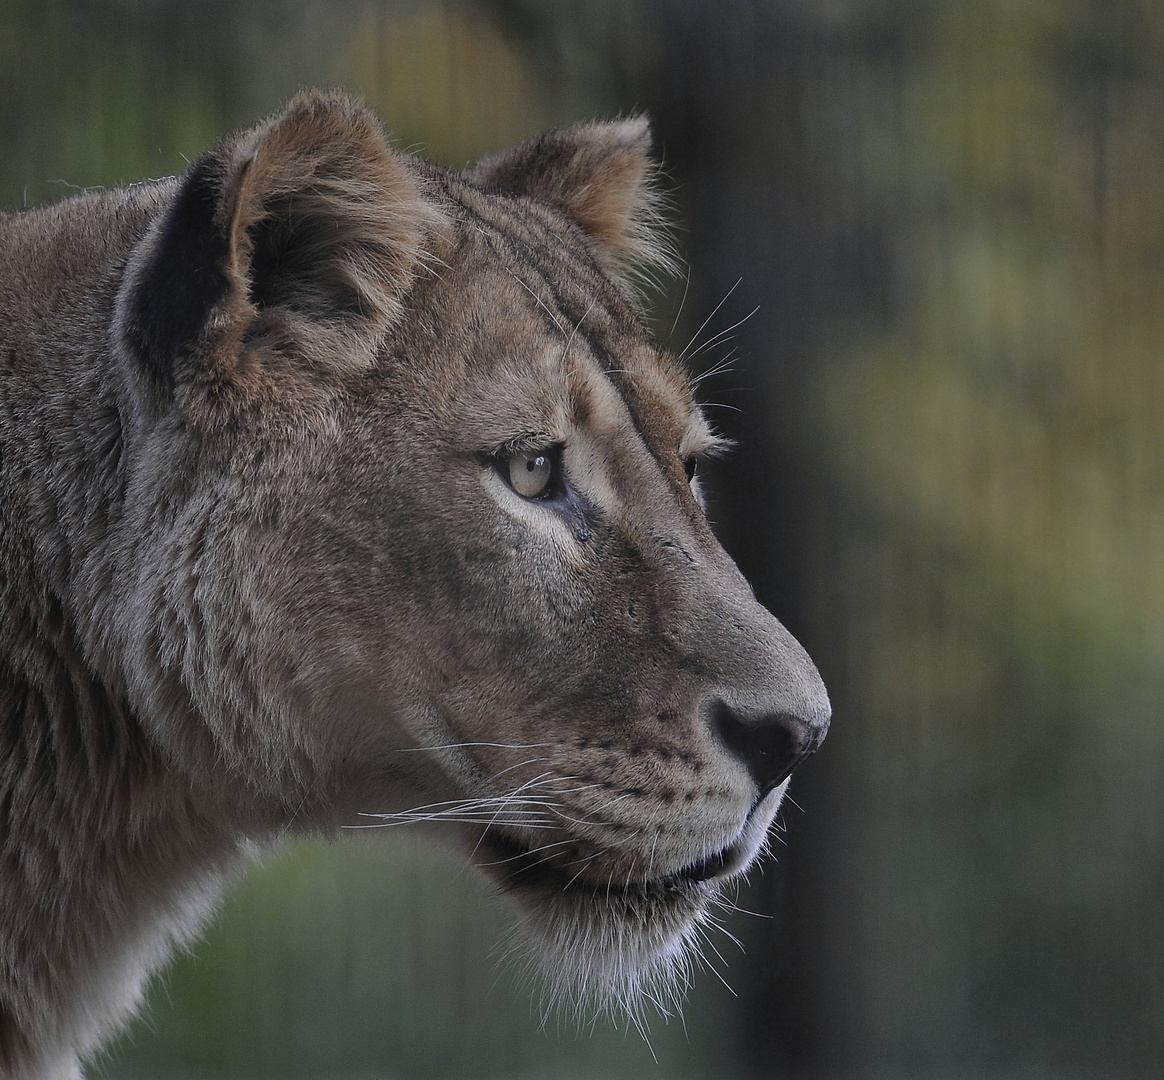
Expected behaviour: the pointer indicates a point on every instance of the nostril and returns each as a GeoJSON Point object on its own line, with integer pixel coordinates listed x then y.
{"type": "Point", "coordinates": [771, 745]}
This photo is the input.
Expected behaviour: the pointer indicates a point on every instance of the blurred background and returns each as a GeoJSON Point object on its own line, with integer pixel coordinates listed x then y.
{"type": "Point", "coordinates": [942, 226]}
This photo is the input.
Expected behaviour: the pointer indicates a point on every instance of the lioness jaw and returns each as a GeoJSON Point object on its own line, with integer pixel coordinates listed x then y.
{"type": "Point", "coordinates": [335, 484]}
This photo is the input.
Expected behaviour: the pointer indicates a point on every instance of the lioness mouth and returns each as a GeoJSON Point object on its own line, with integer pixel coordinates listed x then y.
{"type": "Point", "coordinates": [713, 866]}
{"type": "Point", "coordinates": [519, 867]}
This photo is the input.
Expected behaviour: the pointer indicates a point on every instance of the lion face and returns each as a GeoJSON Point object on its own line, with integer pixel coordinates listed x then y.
{"type": "Point", "coordinates": [450, 559]}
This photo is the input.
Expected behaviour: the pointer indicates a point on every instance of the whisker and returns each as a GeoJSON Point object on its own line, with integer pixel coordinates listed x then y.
{"type": "Point", "coordinates": [457, 804]}
{"type": "Point", "coordinates": [732, 908]}
{"type": "Point", "coordinates": [692, 342]}
{"type": "Point", "coordinates": [581, 871]}
{"type": "Point", "coordinates": [420, 819]}
{"type": "Point", "coordinates": [529, 783]}
{"type": "Point", "coordinates": [517, 765]}
{"type": "Point", "coordinates": [712, 968]}
{"type": "Point", "coordinates": [525, 854]}
{"type": "Point", "coordinates": [540, 303]}
{"type": "Point", "coordinates": [577, 327]}
{"type": "Point", "coordinates": [462, 745]}
{"type": "Point", "coordinates": [501, 810]}
{"type": "Point", "coordinates": [702, 932]}
{"type": "Point", "coordinates": [682, 301]}
{"type": "Point", "coordinates": [711, 341]}
{"type": "Point", "coordinates": [718, 368]}
{"type": "Point", "coordinates": [718, 405]}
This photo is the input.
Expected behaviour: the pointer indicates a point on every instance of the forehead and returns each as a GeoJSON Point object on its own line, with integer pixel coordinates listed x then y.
{"type": "Point", "coordinates": [557, 342]}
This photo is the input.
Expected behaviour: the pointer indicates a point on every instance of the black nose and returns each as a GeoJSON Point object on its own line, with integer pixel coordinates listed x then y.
{"type": "Point", "coordinates": [771, 745]}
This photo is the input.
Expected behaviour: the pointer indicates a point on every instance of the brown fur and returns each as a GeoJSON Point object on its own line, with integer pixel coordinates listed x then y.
{"type": "Point", "coordinates": [261, 568]}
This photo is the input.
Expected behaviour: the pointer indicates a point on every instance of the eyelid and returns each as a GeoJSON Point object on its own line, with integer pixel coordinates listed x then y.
{"type": "Point", "coordinates": [532, 442]}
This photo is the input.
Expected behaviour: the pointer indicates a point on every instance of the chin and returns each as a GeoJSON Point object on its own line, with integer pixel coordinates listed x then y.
{"type": "Point", "coordinates": [603, 942]}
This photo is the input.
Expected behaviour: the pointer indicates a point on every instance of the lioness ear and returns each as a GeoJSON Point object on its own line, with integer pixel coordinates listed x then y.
{"type": "Point", "coordinates": [300, 236]}
{"type": "Point", "coordinates": [600, 176]}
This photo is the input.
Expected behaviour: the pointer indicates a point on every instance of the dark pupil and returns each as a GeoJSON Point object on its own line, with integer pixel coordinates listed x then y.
{"type": "Point", "coordinates": [689, 468]}
{"type": "Point", "coordinates": [533, 463]}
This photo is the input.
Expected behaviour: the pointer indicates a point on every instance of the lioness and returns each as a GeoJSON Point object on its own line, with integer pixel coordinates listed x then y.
{"type": "Point", "coordinates": [333, 483]}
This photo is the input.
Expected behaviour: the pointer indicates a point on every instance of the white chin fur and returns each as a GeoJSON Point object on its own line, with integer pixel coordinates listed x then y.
{"type": "Point", "coordinates": [620, 955]}
{"type": "Point", "coordinates": [625, 952]}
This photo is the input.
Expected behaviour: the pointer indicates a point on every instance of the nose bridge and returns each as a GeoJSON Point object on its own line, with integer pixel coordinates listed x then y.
{"type": "Point", "coordinates": [764, 668]}
{"type": "Point", "coordinates": [764, 696]}
{"type": "Point", "coordinates": [760, 693]}
{"type": "Point", "coordinates": [765, 700]}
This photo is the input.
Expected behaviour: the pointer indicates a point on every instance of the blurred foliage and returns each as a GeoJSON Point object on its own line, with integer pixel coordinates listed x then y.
{"type": "Point", "coordinates": [950, 484]}
{"type": "Point", "coordinates": [110, 91]}
{"type": "Point", "coordinates": [1001, 441]}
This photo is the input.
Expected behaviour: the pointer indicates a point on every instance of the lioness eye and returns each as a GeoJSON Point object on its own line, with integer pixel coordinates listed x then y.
{"type": "Point", "coordinates": [530, 474]}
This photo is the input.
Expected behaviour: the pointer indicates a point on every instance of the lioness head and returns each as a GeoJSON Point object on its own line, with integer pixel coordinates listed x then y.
{"type": "Point", "coordinates": [413, 530]}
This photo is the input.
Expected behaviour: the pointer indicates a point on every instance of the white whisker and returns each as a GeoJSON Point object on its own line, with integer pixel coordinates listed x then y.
{"type": "Point", "coordinates": [464, 745]}
{"type": "Point", "coordinates": [691, 343]}
{"type": "Point", "coordinates": [682, 301]}
{"type": "Point", "coordinates": [715, 338]}
{"type": "Point", "coordinates": [540, 303]}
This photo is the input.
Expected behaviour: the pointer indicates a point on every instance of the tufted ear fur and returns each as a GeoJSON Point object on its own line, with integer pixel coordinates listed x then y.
{"type": "Point", "coordinates": [300, 236]}
{"type": "Point", "coordinates": [600, 175]}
